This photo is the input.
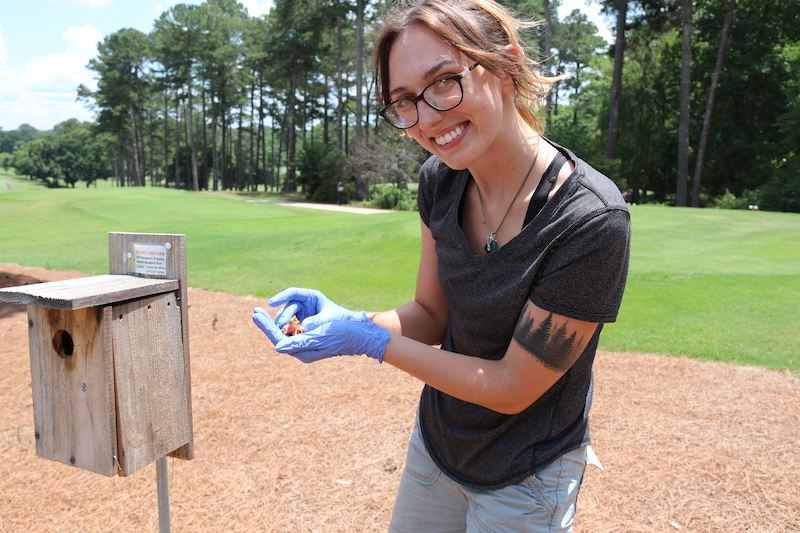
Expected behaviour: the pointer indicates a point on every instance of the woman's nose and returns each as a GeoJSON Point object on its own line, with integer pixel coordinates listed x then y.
{"type": "Point", "coordinates": [427, 114]}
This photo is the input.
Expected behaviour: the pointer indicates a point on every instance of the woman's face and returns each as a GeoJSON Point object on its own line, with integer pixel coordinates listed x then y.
{"type": "Point", "coordinates": [461, 136]}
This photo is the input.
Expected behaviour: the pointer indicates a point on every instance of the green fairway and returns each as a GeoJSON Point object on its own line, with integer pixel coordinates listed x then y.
{"type": "Point", "coordinates": [233, 245]}
{"type": "Point", "coordinates": [705, 283]}
{"type": "Point", "coordinates": [713, 284]}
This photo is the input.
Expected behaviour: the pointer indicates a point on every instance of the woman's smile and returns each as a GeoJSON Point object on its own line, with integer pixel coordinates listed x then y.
{"type": "Point", "coordinates": [449, 137]}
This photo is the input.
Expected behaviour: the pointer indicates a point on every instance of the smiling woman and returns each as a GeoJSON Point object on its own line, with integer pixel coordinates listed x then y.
{"type": "Point", "coordinates": [524, 258]}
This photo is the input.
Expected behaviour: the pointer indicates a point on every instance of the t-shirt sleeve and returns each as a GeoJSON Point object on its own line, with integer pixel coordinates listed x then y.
{"type": "Point", "coordinates": [583, 276]}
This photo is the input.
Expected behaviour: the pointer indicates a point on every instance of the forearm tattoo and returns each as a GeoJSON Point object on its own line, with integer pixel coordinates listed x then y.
{"type": "Point", "coordinates": [548, 344]}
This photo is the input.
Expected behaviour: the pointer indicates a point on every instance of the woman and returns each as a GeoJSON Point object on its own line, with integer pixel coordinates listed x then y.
{"type": "Point", "coordinates": [524, 257]}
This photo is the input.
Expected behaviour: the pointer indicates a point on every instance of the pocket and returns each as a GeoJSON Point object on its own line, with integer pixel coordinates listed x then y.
{"type": "Point", "coordinates": [524, 506]}
{"type": "Point", "coordinates": [540, 495]}
{"type": "Point", "coordinates": [418, 462]}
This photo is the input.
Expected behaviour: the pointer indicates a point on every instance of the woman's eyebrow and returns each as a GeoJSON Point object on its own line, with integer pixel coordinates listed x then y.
{"type": "Point", "coordinates": [427, 74]}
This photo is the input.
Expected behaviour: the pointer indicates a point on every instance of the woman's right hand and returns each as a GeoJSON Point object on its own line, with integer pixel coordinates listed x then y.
{"type": "Point", "coordinates": [332, 339]}
{"type": "Point", "coordinates": [312, 309]}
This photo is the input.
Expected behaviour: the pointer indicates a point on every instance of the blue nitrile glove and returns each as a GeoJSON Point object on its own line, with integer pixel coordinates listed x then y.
{"type": "Point", "coordinates": [312, 308]}
{"type": "Point", "coordinates": [328, 340]}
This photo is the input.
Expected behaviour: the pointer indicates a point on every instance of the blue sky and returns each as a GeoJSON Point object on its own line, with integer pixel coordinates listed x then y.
{"type": "Point", "coordinates": [46, 44]}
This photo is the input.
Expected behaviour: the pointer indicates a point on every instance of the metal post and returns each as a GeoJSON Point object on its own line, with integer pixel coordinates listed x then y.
{"type": "Point", "coordinates": [162, 481]}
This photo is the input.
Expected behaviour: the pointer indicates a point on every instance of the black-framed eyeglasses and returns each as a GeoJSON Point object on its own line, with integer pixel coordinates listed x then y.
{"type": "Point", "coordinates": [442, 95]}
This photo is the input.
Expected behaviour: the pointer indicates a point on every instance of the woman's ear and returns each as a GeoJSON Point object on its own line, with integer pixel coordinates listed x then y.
{"type": "Point", "coordinates": [515, 55]}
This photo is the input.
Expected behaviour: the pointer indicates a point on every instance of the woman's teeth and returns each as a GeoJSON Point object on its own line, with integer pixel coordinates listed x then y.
{"type": "Point", "coordinates": [447, 138]}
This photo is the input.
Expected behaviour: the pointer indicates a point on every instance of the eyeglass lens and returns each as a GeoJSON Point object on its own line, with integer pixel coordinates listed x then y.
{"type": "Point", "coordinates": [442, 95]}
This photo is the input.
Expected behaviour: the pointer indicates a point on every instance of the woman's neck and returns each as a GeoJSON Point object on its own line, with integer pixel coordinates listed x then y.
{"type": "Point", "coordinates": [506, 163]}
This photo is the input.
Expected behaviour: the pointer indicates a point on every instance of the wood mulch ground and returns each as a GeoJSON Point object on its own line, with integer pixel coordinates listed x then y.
{"type": "Point", "coordinates": [286, 447]}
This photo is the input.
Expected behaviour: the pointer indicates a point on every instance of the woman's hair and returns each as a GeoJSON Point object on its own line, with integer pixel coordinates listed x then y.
{"type": "Point", "coordinates": [481, 29]}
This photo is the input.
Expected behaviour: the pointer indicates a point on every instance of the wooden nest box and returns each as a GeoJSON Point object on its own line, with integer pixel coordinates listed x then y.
{"type": "Point", "coordinates": [110, 359]}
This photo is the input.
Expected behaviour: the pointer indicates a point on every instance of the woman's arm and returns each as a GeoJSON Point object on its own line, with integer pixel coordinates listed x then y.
{"type": "Point", "coordinates": [544, 347]}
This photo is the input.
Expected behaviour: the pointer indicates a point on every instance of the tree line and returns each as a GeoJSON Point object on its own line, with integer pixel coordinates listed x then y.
{"type": "Point", "coordinates": [696, 102]}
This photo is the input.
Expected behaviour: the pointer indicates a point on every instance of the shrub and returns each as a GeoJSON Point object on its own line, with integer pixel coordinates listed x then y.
{"type": "Point", "coordinates": [393, 198]}
{"type": "Point", "coordinates": [782, 191]}
{"type": "Point", "coordinates": [730, 201]}
{"type": "Point", "coordinates": [321, 169]}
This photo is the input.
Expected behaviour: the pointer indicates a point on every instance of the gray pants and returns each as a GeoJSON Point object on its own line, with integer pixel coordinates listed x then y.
{"type": "Point", "coordinates": [430, 502]}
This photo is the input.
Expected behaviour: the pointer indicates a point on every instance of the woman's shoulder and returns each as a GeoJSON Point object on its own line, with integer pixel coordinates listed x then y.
{"type": "Point", "coordinates": [592, 181]}
{"type": "Point", "coordinates": [439, 187]}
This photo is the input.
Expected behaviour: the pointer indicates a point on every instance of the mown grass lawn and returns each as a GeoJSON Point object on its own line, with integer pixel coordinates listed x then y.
{"type": "Point", "coordinates": [713, 284]}
{"type": "Point", "coordinates": [705, 283]}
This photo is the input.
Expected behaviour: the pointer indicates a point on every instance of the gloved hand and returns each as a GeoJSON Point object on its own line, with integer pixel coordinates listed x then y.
{"type": "Point", "coordinates": [312, 308]}
{"type": "Point", "coordinates": [341, 337]}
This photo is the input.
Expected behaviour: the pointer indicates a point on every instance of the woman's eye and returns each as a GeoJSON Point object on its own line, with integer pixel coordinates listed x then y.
{"type": "Point", "coordinates": [402, 105]}
{"type": "Point", "coordinates": [445, 83]}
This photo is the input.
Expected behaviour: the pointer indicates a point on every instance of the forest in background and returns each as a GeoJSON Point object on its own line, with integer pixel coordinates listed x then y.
{"type": "Point", "coordinates": [696, 102]}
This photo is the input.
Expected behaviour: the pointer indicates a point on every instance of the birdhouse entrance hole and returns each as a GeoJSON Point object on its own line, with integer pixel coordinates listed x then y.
{"type": "Point", "coordinates": [63, 344]}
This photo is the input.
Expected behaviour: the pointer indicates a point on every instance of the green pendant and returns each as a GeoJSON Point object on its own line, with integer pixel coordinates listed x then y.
{"type": "Point", "coordinates": [491, 244]}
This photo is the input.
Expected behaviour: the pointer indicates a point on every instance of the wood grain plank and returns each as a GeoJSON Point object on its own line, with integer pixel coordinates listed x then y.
{"type": "Point", "coordinates": [72, 379]}
{"type": "Point", "coordinates": [150, 380]}
{"type": "Point", "coordinates": [81, 293]}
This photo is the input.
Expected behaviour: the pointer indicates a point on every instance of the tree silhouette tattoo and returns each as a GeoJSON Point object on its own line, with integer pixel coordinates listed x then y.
{"type": "Point", "coordinates": [549, 345]}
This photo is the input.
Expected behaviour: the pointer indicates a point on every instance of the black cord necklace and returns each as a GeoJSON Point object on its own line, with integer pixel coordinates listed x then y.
{"type": "Point", "coordinates": [491, 241]}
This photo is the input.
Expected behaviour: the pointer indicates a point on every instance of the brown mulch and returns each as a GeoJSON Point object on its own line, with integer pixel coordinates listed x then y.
{"type": "Point", "coordinates": [287, 447]}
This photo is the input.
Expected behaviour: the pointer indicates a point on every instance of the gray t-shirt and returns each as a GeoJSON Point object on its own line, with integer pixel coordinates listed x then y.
{"type": "Point", "coordinates": [571, 259]}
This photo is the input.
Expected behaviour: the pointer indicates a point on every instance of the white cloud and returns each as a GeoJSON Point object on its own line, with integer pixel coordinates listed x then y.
{"type": "Point", "coordinates": [64, 72]}
{"type": "Point", "coordinates": [84, 39]}
{"type": "Point", "coordinates": [43, 93]}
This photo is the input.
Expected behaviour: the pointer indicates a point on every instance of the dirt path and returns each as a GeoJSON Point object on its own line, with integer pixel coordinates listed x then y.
{"type": "Point", "coordinates": [287, 447]}
{"type": "Point", "coordinates": [358, 210]}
